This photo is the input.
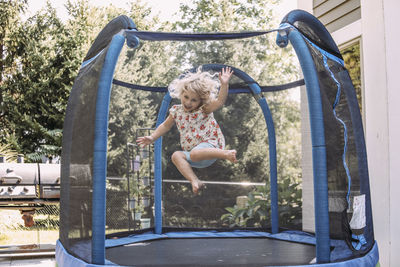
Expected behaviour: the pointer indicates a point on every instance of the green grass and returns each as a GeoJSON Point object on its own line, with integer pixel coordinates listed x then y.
{"type": "Point", "coordinates": [13, 231]}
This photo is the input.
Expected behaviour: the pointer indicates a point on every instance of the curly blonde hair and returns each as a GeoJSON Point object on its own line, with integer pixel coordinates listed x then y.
{"type": "Point", "coordinates": [203, 83]}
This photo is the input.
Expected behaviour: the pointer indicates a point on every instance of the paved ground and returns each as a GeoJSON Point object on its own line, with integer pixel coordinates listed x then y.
{"type": "Point", "coordinates": [45, 260]}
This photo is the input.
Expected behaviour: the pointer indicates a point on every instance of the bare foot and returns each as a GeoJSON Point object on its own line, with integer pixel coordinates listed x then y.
{"type": "Point", "coordinates": [197, 186]}
{"type": "Point", "coordinates": [231, 155]}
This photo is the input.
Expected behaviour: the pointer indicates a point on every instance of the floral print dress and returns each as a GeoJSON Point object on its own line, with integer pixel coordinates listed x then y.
{"type": "Point", "coordinates": [197, 127]}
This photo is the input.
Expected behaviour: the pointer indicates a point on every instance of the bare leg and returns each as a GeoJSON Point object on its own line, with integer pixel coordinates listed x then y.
{"type": "Point", "coordinates": [212, 153]}
{"type": "Point", "coordinates": [179, 159]}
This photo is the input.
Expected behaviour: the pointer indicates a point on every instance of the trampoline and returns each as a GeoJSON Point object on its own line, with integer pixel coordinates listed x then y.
{"type": "Point", "coordinates": [125, 205]}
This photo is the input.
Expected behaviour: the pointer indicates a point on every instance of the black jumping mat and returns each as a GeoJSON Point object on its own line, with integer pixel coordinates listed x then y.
{"type": "Point", "coordinates": [212, 251]}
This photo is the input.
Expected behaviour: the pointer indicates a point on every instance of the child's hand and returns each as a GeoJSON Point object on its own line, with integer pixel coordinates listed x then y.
{"type": "Point", "coordinates": [225, 75]}
{"type": "Point", "coordinates": [144, 141]}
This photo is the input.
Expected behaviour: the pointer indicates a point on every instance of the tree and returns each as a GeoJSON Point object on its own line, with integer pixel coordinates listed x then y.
{"type": "Point", "coordinates": [9, 19]}
{"type": "Point", "coordinates": [41, 57]}
{"type": "Point", "coordinates": [38, 73]}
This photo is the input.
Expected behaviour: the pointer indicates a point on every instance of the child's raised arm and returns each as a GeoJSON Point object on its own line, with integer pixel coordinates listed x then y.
{"type": "Point", "coordinates": [160, 131]}
{"type": "Point", "coordinates": [224, 77]}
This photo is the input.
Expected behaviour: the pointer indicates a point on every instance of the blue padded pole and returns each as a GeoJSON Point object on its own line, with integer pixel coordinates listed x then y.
{"type": "Point", "coordinates": [321, 204]}
{"type": "Point", "coordinates": [100, 150]}
{"type": "Point", "coordinates": [158, 167]}
{"type": "Point", "coordinates": [273, 169]}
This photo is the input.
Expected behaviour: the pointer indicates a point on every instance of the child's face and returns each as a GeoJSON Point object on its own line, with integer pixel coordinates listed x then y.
{"type": "Point", "coordinates": [190, 101]}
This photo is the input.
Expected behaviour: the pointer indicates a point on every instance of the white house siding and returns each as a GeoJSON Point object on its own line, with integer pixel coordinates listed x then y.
{"type": "Point", "coordinates": [382, 95]}
{"type": "Point", "coordinates": [335, 14]}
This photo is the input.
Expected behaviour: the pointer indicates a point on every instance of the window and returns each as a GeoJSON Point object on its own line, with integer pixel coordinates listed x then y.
{"type": "Point", "coordinates": [352, 60]}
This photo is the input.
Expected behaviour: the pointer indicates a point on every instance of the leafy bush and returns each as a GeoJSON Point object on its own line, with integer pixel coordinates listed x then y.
{"type": "Point", "coordinates": [256, 211]}
{"type": "Point", "coordinates": [253, 213]}
{"type": "Point", "coordinates": [9, 154]}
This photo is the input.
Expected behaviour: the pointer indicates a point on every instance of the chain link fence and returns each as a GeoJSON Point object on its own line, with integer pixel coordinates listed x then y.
{"type": "Point", "coordinates": [36, 229]}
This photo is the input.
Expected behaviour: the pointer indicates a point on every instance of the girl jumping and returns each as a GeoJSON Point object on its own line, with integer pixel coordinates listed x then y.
{"type": "Point", "coordinates": [201, 138]}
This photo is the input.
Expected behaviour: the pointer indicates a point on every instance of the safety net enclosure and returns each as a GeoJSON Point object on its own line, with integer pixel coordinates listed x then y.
{"type": "Point", "coordinates": [126, 205]}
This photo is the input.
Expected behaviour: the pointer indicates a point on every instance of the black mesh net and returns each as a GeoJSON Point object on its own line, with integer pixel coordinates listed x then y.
{"type": "Point", "coordinates": [229, 187]}
{"type": "Point", "coordinates": [77, 162]}
{"type": "Point", "coordinates": [233, 191]}
{"type": "Point", "coordinates": [346, 161]}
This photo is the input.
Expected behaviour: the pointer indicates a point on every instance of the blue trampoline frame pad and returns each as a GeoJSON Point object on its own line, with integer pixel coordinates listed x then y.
{"type": "Point", "coordinates": [338, 247]}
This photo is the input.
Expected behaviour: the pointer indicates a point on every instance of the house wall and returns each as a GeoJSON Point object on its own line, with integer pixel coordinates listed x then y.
{"type": "Point", "coordinates": [382, 95]}
{"type": "Point", "coordinates": [380, 36]}
{"type": "Point", "coordinates": [393, 58]}
{"type": "Point", "coordinates": [335, 14]}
